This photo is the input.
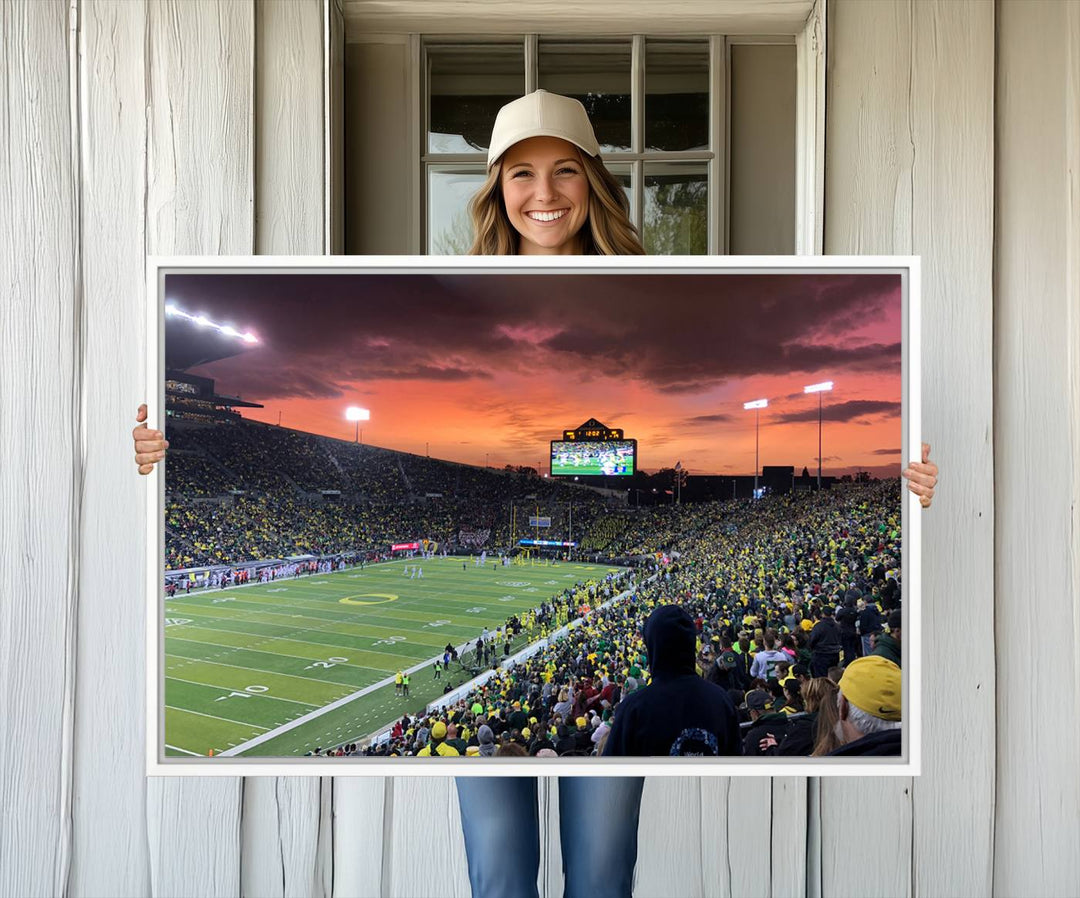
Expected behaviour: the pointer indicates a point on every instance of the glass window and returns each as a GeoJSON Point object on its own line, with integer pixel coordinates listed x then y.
{"type": "Point", "coordinates": [597, 74]}
{"type": "Point", "coordinates": [676, 95]}
{"type": "Point", "coordinates": [654, 112]}
{"type": "Point", "coordinates": [467, 85]}
{"type": "Point", "coordinates": [676, 209]}
{"type": "Point", "coordinates": [449, 190]}
{"type": "Point", "coordinates": [624, 174]}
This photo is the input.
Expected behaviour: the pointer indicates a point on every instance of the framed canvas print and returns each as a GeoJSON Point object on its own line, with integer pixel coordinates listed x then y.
{"type": "Point", "coordinates": [500, 516]}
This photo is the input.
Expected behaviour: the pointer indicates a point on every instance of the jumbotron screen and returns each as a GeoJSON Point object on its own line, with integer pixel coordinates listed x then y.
{"type": "Point", "coordinates": [610, 458]}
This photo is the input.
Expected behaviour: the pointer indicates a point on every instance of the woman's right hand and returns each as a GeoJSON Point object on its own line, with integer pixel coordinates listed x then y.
{"type": "Point", "coordinates": [150, 445]}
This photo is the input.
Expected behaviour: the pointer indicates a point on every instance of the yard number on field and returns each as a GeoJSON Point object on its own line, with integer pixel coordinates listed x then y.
{"type": "Point", "coordinates": [390, 640]}
{"type": "Point", "coordinates": [328, 663]}
{"type": "Point", "coordinates": [247, 693]}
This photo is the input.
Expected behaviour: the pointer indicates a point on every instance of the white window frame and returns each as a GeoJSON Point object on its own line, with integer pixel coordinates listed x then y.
{"type": "Point", "coordinates": [809, 130]}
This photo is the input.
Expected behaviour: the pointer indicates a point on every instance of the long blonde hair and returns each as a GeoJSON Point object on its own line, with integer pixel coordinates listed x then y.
{"type": "Point", "coordinates": [607, 232]}
{"type": "Point", "coordinates": [819, 694]}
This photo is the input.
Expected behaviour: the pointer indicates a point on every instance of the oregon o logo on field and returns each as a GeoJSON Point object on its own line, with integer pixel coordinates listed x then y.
{"type": "Point", "coordinates": [383, 597]}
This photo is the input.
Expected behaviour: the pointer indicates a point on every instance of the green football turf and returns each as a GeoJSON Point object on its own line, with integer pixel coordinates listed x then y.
{"type": "Point", "coordinates": [245, 661]}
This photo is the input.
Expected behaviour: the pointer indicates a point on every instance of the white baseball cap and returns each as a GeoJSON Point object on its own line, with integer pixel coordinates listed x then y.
{"type": "Point", "coordinates": [541, 114]}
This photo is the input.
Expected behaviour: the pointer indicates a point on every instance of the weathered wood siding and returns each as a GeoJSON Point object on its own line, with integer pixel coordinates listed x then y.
{"type": "Point", "coordinates": [186, 126]}
{"type": "Point", "coordinates": [1037, 453]}
{"type": "Point", "coordinates": [909, 150]}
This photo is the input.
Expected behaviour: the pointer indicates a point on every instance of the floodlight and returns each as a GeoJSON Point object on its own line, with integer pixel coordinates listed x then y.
{"type": "Point", "coordinates": [820, 388]}
{"type": "Point", "coordinates": [757, 405]}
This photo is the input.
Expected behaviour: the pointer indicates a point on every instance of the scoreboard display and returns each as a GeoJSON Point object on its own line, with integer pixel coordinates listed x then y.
{"type": "Point", "coordinates": [600, 458]}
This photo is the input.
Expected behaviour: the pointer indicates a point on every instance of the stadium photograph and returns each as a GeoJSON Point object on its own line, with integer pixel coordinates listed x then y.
{"type": "Point", "coordinates": [581, 515]}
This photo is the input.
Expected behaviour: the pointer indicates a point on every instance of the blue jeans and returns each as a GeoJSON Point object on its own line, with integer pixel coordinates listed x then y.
{"type": "Point", "coordinates": [598, 823]}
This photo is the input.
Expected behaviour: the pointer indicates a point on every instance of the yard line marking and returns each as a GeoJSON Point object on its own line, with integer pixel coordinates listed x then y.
{"type": "Point", "coordinates": [263, 694]}
{"type": "Point", "coordinates": [243, 648]}
{"type": "Point", "coordinates": [299, 721]}
{"type": "Point", "coordinates": [239, 723]}
{"type": "Point", "coordinates": [327, 628]}
{"type": "Point", "coordinates": [254, 648]}
{"type": "Point", "coordinates": [262, 670]}
{"type": "Point", "coordinates": [194, 754]}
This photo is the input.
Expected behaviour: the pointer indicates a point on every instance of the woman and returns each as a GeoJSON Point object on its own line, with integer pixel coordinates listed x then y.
{"type": "Point", "coordinates": [547, 193]}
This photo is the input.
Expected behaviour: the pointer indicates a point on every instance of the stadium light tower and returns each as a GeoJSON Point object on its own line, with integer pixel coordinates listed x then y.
{"type": "Point", "coordinates": [757, 405]}
{"type": "Point", "coordinates": [174, 311]}
{"type": "Point", "coordinates": [819, 389]}
{"type": "Point", "coordinates": [357, 414]}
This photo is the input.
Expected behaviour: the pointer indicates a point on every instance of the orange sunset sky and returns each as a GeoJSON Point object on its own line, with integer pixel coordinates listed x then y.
{"type": "Point", "coordinates": [490, 368]}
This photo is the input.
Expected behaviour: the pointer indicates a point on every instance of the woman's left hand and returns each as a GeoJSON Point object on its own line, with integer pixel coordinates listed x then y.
{"type": "Point", "coordinates": [922, 477]}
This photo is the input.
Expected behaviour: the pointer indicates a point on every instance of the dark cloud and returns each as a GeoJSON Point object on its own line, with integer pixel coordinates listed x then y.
{"type": "Point", "coordinates": [887, 452]}
{"type": "Point", "coordinates": [843, 412]}
{"type": "Point", "coordinates": [702, 420]}
{"type": "Point", "coordinates": [676, 333]}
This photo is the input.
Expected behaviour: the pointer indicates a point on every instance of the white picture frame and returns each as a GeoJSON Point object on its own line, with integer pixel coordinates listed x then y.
{"type": "Point", "coordinates": [908, 764]}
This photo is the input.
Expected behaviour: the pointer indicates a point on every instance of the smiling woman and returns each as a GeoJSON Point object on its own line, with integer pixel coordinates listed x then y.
{"type": "Point", "coordinates": [548, 193]}
{"type": "Point", "coordinates": [547, 190]}
{"type": "Point", "coordinates": [546, 196]}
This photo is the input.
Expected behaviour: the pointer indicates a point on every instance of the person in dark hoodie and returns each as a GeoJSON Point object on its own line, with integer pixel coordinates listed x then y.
{"type": "Point", "coordinates": [846, 616]}
{"type": "Point", "coordinates": [678, 713]}
{"type": "Point", "coordinates": [887, 645]}
{"type": "Point", "coordinates": [869, 705]}
{"type": "Point", "coordinates": [825, 644]}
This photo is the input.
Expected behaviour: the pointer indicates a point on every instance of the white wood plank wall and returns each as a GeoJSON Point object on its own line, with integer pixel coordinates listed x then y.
{"type": "Point", "coordinates": [109, 821]}
{"type": "Point", "coordinates": [1036, 367]}
{"type": "Point", "coordinates": [199, 200]}
{"type": "Point", "coordinates": [285, 825]}
{"type": "Point", "coordinates": [41, 456]}
{"type": "Point", "coordinates": [909, 169]}
{"type": "Point", "coordinates": [173, 126]}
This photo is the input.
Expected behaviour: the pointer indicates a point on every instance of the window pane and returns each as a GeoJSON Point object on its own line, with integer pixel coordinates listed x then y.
{"type": "Point", "coordinates": [676, 209]}
{"type": "Point", "coordinates": [449, 191]}
{"type": "Point", "coordinates": [623, 174]}
{"type": "Point", "coordinates": [597, 74]}
{"type": "Point", "coordinates": [676, 95]}
{"type": "Point", "coordinates": [467, 84]}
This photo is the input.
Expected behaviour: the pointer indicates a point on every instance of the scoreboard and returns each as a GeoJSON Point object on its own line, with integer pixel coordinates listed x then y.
{"type": "Point", "coordinates": [593, 450]}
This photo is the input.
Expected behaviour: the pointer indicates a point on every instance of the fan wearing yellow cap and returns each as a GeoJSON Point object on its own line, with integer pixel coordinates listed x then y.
{"type": "Point", "coordinates": [869, 704]}
{"type": "Point", "coordinates": [437, 745]}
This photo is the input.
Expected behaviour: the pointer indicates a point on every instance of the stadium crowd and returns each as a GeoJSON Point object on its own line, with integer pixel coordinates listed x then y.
{"type": "Point", "coordinates": [249, 491]}
{"type": "Point", "coordinates": [785, 595]}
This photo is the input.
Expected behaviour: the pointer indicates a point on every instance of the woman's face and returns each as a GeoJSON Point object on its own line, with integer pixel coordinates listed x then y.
{"type": "Point", "coordinates": [546, 195]}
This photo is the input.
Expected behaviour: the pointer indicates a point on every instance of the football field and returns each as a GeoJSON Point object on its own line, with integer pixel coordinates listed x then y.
{"type": "Point", "coordinates": [278, 669]}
